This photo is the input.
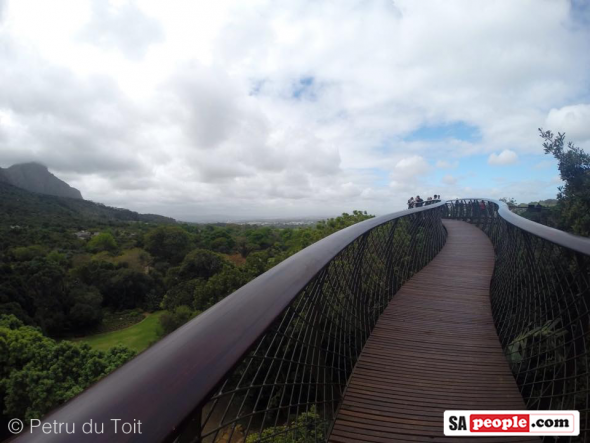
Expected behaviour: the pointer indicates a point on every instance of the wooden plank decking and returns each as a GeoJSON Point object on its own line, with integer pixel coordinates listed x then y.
{"type": "Point", "coordinates": [434, 348]}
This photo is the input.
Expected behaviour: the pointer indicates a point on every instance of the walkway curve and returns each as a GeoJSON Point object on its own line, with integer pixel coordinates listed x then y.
{"type": "Point", "coordinates": [434, 348]}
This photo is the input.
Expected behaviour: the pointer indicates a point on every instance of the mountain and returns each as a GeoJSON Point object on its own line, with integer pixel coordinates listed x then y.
{"type": "Point", "coordinates": [24, 208]}
{"type": "Point", "coordinates": [35, 177]}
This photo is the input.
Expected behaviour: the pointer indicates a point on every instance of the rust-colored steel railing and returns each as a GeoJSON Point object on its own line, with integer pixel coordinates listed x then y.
{"type": "Point", "coordinates": [540, 297]}
{"type": "Point", "coordinates": [270, 361]}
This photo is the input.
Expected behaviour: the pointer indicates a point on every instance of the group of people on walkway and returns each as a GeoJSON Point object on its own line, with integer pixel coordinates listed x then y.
{"type": "Point", "coordinates": [471, 208]}
{"type": "Point", "coordinates": [418, 202]}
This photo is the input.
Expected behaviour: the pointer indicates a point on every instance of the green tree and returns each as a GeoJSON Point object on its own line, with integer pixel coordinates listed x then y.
{"type": "Point", "coordinates": [206, 294]}
{"type": "Point", "coordinates": [257, 263]}
{"type": "Point", "coordinates": [171, 321]}
{"type": "Point", "coordinates": [127, 289]}
{"type": "Point", "coordinates": [201, 263]}
{"type": "Point", "coordinates": [58, 258]}
{"type": "Point", "coordinates": [261, 237]}
{"type": "Point", "coordinates": [14, 298]}
{"type": "Point", "coordinates": [37, 374]}
{"type": "Point", "coordinates": [46, 284]}
{"type": "Point", "coordinates": [574, 196]}
{"type": "Point", "coordinates": [28, 253]}
{"type": "Point", "coordinates": [168, 243]}
{"type": "Point", "coordinates": [509, 201]}
{"type": "Point", "coordinates": [86, 311]}
{"type": "Point", "coordinates": [222, 244]}
{"type": "Point", "coordinates": [307, 428]}
{"type": "Point", "coordinates": [244, 246]}
{"type": "Point", "coordinates": [180, 294]}
{"type": "Point", "coordinates": [121, 287]}
{"type": "Point", "coordinates": [103, 242]}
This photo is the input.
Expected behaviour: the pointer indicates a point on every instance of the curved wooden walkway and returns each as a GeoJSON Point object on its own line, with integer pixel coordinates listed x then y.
{"type": "Point", "coordinates": [434, 348]}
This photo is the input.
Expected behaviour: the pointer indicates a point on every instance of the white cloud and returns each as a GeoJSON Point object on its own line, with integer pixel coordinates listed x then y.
{"type": "Point", "coordinates": [574, 120]}
{"type": "Point", "coordinates": [449, 180]}
{"type": "Point", "coordinates": [288, 107]}
{"type": "Point", "coordinates": [506, 157]}
{"type": "Point", "coordinates": [411, 167]}
{"type": "Point", "coordinates": [121, 26]}
{"type": "Point", "coordinates": [445, 164]}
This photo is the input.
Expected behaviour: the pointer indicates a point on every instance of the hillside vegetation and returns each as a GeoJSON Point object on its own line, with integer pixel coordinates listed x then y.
{"type": "Point", "coordinates": [21, 207]}
{"type": "Point", "coordinates": [72, 268]}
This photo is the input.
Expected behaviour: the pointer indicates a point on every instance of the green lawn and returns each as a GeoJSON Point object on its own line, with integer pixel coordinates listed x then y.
{"type": "Point", "coordinates": [136, 337]}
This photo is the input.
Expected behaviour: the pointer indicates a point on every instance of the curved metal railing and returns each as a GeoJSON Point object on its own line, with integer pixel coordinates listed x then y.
{"type": "Point", "coordinates": [273, 358]}
{"type": "Point", "coordinates": [540, 295]}
{"type": "Point", "coordinates": [271, 361]}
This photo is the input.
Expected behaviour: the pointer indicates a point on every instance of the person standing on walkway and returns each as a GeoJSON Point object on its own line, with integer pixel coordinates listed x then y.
{"type": "Point", "coordinates": [411, 203]}
{"type": "Point", "coordinates": [483, 208]}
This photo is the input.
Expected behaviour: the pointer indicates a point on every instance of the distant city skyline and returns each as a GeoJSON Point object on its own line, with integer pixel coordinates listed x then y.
{"type": "Point", "coordinates": [296, 108]}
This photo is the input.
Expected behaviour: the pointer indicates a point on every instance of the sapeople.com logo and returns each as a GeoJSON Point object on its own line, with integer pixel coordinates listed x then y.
{"type": "Point", "coordinates": [488, 423]}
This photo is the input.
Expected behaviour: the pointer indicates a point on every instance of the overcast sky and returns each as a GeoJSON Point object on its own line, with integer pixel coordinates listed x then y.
{"type": "Point", "coordinates": [292, 107]}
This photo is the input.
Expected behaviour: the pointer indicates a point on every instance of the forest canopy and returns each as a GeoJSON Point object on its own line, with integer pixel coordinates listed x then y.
{"type": "Point", "coordinates": [73, 275]}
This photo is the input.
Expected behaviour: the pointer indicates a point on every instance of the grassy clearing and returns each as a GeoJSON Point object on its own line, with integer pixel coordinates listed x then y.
{"type": "Point", "coordinates": [137, 337]}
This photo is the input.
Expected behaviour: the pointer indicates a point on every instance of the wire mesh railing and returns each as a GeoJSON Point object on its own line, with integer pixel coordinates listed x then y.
{"type": "Point", "coordinates": [271, 361]}
{"type": "Point", "coordinates": [540, 296]}
{"type": "Point", "coordinates": [289, 386]}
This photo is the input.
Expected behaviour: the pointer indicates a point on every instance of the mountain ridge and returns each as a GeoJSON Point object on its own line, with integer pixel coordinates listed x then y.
{"type": "Point", "coordinates": [21, 207]}
{"type": "Point", "coordinates": [35, 177]}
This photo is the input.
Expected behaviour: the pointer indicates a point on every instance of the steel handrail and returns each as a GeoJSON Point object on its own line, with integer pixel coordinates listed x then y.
{"type": "Point", "coordinates": [561, 238]}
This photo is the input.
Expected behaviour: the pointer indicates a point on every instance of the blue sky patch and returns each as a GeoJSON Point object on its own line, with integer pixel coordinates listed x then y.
{"type": "Point", "coordinates": [580, 12]}
{"type": "Point", "coordinates": [256, 87]}
{"type": "Point", "coordinates": [475, 170]}
{"type": "Point", "coordinates": [457, 130]}
{"type": "Point", "coordinates": [381, 176]}
{"type": "Point", "coordinates": [303, 88]}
